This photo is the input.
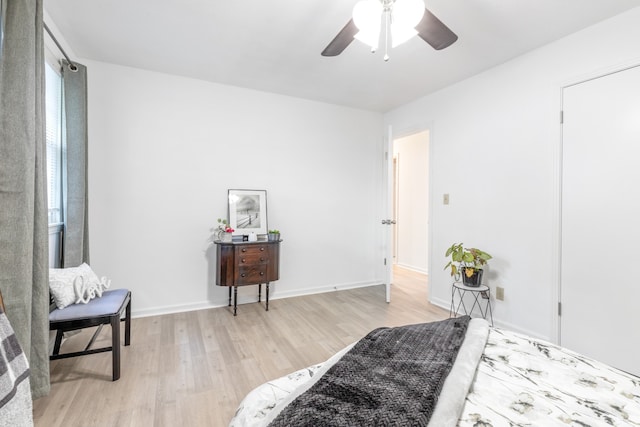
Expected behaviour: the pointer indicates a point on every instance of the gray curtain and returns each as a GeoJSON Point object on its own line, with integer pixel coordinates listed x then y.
{"type": "Point", "coordinates": [24, 261]}
{"type": "Point", "coordinates": [76, 223]}
{"type": "Point", "coordinates": [3, 9]}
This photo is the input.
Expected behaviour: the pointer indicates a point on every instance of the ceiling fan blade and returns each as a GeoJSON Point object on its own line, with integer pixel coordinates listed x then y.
{"type": "Point", "coordinates": [342, 40]}
{"type": "Point", "coordinates": [434, 32]}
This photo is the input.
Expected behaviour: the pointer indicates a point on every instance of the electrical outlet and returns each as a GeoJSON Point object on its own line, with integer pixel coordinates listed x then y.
{"type": "Point", "coordinates": [499, 293]}
{"type": "Point", "coordinates": [445, 199]}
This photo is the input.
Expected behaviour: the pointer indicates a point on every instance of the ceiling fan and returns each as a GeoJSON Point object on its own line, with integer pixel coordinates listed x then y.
{"type": "Point", "coordinates": [400, 20]}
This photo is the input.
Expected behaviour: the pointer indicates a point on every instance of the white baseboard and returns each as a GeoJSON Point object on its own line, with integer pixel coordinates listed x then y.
{"type": "Point", "coordinates": [412, 268]}
{"type": "Point", "coordinates": [446, 304]}
{"type": "Point", "coordinates": [324, 289]}
{"type": "Point", "coordinates": [243, 299]}
{"type": "Point", "coordinates": [171, 309]}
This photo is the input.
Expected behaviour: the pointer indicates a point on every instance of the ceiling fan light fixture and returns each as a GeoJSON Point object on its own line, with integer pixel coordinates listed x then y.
{"type": "Point", "coordinates": [396, 20]}
{"type": "Point", "coordinates": [371, 39]}
{"type": "Point", "coordinates": [405, 15]}
{"type": "Point", "coordinates": [367, 16]}
{"type": "Point", "coordinates": [400, 18]}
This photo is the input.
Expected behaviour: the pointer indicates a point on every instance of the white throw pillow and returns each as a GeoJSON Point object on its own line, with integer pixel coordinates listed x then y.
{"type": "Point", "coordinates": [61, 287]}
{"type": "Point", "coordinates": [75, 285]}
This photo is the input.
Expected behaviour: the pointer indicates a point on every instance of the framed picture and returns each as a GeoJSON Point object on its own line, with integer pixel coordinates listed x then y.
{"type": "Point", "coordinates": [248, 211]}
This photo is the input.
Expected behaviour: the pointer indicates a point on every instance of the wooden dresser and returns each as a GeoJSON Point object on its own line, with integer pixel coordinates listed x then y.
{"type": "Point", "coordinates": [247, 263]}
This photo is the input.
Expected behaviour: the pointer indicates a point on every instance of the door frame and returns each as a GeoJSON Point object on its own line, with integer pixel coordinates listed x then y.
{"type": "Point", "coordinates": [387, 194]}
{"type": "Point", "coordinates": [387, 211]}
{"type": "Point", "coordinates": [556, 287]}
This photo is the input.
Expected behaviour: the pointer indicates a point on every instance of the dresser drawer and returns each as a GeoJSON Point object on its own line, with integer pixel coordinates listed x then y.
{"type": "Point", "coordinates": [251, 274]}
{"type": "Point", "coordinates": [240, 264]}
{"type": "Point", "coordinates": [250, 255]}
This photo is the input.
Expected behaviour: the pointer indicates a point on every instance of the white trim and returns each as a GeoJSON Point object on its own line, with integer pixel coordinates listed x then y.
{"type": "Point", "coordinates": [556, 252]}
{"type": "Point", "coordinates": [51, 58]}
{"type": "Point", "coordinates": [446, 305]}
{"type": "Point", "coordinates": [412, 129]}
{"type": "Point", "coordinates": [204, 305]}
{"type": "Point", "coordinates": [388, 242]}
{"type": "Point", "coordinates": [412, 268]}
{"type": "Point", "coordinates": [556, 232]}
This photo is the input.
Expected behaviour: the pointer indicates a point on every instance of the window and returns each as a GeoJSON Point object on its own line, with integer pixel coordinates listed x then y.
{"type": "Point", "coordinates": [53, 119]}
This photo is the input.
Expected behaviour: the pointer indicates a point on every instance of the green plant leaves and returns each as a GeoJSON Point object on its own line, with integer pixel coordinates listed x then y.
{"type": "Point", "coordinates": [465, 257]}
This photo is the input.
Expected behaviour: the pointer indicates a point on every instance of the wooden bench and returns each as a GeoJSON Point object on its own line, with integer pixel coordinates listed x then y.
{"type": "Point", "coordinates": [101, 311]}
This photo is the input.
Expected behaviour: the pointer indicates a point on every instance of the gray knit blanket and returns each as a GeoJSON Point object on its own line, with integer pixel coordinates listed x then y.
{"type": "Point", "coordinates": [391, 377]}
{"type": "Point", "coordinates": [15, 392]}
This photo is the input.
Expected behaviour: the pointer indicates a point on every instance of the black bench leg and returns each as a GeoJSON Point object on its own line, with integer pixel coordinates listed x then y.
{"type": "Point", "coordinates": [56, 346]}
{"type": "Point", "coordinates": [127, 325]}
{"type": "Point", "coordinates": [115, 346]}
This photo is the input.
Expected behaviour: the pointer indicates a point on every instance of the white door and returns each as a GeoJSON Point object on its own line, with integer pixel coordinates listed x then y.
{"type": "Point", "coordinates": [388, 220]}
{"type": "Point", "coordinates": [600, 290]}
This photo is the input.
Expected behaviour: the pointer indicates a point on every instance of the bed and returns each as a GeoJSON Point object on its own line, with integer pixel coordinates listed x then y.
{"type": "Point", "coordinates": [473, 375]}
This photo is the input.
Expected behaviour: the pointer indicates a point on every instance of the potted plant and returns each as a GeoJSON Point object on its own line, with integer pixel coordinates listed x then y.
{"type": "Point", "coordinates": [467, 262]}
{"type": "Point", "coordinates": [273, 235]}
{"type": "Point", "coordinates": [224, 230]}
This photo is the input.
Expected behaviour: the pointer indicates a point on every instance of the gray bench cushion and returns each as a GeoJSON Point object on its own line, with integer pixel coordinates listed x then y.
{"type": "Point", "coordinates": [108, 304]}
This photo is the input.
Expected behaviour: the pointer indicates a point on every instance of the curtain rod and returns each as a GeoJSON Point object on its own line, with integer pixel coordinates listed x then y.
{"type": "Point", "coordinates": [72, 66]}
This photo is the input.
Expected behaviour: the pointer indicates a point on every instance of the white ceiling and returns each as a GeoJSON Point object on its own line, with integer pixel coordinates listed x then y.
{"type": "Point", "coordinates": [275, 45]}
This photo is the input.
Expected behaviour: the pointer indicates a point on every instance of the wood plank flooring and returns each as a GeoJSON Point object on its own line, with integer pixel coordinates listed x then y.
{"type": "Point", "coordinates": [193, 369]}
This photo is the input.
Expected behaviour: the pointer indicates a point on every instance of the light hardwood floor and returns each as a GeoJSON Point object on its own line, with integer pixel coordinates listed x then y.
{"type": "Point", "coordinates": [193, 369]}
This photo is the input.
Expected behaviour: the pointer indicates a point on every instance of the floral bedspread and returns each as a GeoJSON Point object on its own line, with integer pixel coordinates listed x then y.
{"type": "Point", "coordinates": [520, 381]}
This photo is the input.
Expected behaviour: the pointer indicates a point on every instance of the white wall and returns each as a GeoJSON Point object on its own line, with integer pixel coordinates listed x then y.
{"type": "Point", "coordinates": [495, 148]}
{"type": "Point", "coordinates": [412, 154]}
{"type": "Point", "coordinates": [165, 149]}
{"type": "Point", "coordinates": [163, 152]}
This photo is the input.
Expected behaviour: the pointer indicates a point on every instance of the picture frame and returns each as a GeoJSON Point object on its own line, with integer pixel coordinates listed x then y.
{"type": "Point", "coordinates": [248, 211]}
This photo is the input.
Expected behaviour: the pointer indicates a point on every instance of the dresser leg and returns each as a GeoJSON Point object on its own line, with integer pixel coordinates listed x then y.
{"type": "Point", "coordinates": [267, 296]}
{"type": "Point", "coordinates": [235, 300]}
{"type": "Point", "coordinates": [230, 296]}
{"type": "Point", "coordinates": [259, 292]}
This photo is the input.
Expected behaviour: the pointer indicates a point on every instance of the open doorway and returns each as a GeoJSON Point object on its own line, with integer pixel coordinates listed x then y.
{"type": "Point", "coordinates": [411, 205]}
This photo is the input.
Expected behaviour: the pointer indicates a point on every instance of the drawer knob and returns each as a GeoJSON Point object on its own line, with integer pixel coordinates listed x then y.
{"type": "Point", "coordinates": [262, 249]}
{"type": "Point", "coordinates": [242, 275]}
{"type": "Point", "coordinates": [243, 260]}
{"type": "Point", "coordinates": [261, 259]}
{"type": "Point", "coordinates": [244, 249]}
{"type": "Point", "coordinates": [262, 273]}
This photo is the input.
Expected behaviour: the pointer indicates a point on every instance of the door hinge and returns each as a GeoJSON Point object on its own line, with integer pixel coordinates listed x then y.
{"type": "Point", "coordinates": [386, 155]}
{"type": "Point", "coordinates": [385, 261]}
{"type": "Point", "coordinates": [559, 309]}
{"type": "Point", "coordinates": [561, 116]}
